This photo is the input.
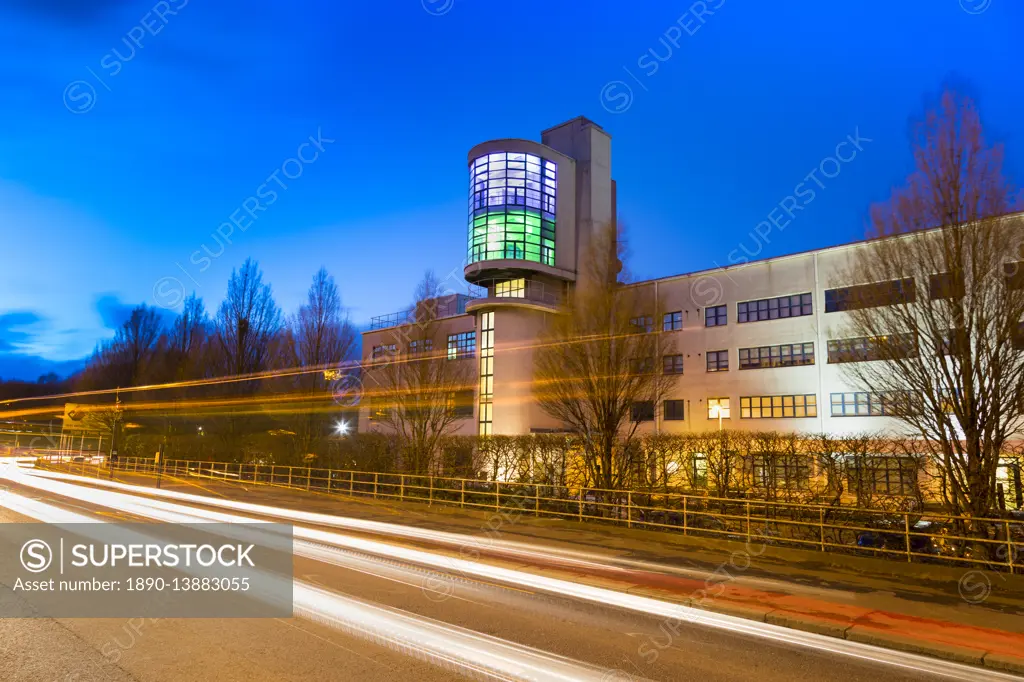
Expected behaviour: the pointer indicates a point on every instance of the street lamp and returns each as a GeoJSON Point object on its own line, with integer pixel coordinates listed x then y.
{"type": "Point", "coordinates": [341, 427]}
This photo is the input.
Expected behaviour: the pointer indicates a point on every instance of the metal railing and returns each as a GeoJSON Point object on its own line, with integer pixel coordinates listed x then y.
{"type": "Point", "coordinates": [445, 306]}
{"type": "Point", "coordinates": [995, 543]}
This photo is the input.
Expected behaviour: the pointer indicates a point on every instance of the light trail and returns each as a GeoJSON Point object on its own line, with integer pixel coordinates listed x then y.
{"type": "Point", "coordinates": [667, 610]}
{"type": "Point", "coordinates": [452, 648]}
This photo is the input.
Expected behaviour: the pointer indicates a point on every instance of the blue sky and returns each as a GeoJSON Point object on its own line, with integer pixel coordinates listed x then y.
{"type": "Point", "coordinates": [128, 139]}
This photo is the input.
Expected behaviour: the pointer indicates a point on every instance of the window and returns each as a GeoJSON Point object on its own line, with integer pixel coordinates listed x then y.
{"type": "Point", "coordinates": [672, 364]}
{"type": "Point", "coordinates": [1018, 337]}
{"type": "Point", "coordinates": [384, 351]}
{"type": "Point", "coordinates": [718, 407]}
{"type": "Point", "coordinates": [1014, 275]}
{"type": "Point", "coordinates": [644, 323]}
{"type": "Point", "coordinates": [419, 346]}
{"type": "Point", "coordinates": [461, 345]}
{"type": "Point", "coordinates": [673, 410]}
{"type": "Point", "coordinates": [779, 406]}
{"type": "Point", "coordinates": [700, 470]}
{"type": "Point", "coordinates": [865, 348]}
{"type": "Point", "coordinates": [485, 416]}
{"type": "Point", "coordinates": [863, 404]}
{"type": "Point", "coordinates": [945, 285]}
{"type": "Point", "coordinates": [789, 472]}
{"type": "Point", "coordinates": [460, 404]}
{"type": "Point", "coordinates": [513, 288]}
{"type": "Point", "coordinates": [785, 355]}
{"type": "Point", "coordinates": [641, 365]}
{"type": "Point", "coordinates": [716, 316]}
{"type": "Point", "coordinates": [673, 322]}
{"type": "Point", "coordinates": [642, 411]}
{"type": "Point", "coordinates": [718, 360]}
{"type": "Point", "coordinates": [870, 295]}
{"type": "Point", "coordinates": [797, 305]}
{"type": "Point", "coordinates": [883, 475]}
{"type": "Point", "coordinates": [950, 342]}
{"type": "Point", "coordinates": [512, 208]}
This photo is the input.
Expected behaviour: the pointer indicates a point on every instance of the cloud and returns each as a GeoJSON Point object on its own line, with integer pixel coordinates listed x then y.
{"type": "Point", "coordinates": [113, 312]}
{"type": "Point", "coordinates": [13, 335]}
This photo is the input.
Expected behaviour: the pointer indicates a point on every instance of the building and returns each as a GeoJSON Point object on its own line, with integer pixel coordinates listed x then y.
{"type": "Point", "coordinates": [757, 344]}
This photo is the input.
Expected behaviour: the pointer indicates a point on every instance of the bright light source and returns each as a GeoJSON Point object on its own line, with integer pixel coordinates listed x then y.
{"type": "Point", "coordinates": [341, 427]}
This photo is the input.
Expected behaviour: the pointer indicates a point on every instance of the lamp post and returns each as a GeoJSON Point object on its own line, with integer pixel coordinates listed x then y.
{"type": "Point", "coordinates": [716, 411]}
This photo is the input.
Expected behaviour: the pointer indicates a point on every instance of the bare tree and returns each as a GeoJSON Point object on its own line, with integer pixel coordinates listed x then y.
{"type": "Point", "coordinates": [421, 391]}
{"type": "Point", "coordinates": [247, 323]}
{"type": "Point", "coordinates": [939, 306]}
{"type": "Point", "coordinates": [187, 340]}
{"type": "Point", "coordinates": [322, 339]}
{"type": "Point", "coordinates": [127, 359]}
{"type": "Point", "coordinates": [598, 366]}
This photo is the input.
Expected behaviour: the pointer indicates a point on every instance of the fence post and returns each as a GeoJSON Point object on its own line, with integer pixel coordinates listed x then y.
{"type": "Point", "coordinates": [497, 495]}
{"type": "Point", "coordinates": [136, 470]}
{"type": "Point", "coordinates": [536, 500]}
{"type": "Point", "coordinates": [579, 516]}
{"type": "Point", "coordinates": [290, 476]}
{"type": "Point", "coordinates": [462, 496]}
{"type": "Point", "coordinates": [1009, 547]}
{"type": "Point", "coordinates": [629, 509]}
{"type": "Point", "coordinates": [430, 500]}
{"type": "Point", "coordinates": [685, 505]}
{"type": "Point", "coordinates": [821, 527]}
{"type": "Point", "coordinates": [748, 521]}
{"type": "Point", "coordinates": [351, 481]}
{"type": "Point", "coordinates": [375, 479]}
{"type": "Point", "coordinates": [309, 474]}
{"type": "Point", "coordinates": [330, 475]}
{"type": "Point", "coordinates": [906, 532]}
{"type": "Point", "coordinates": [401, 487]}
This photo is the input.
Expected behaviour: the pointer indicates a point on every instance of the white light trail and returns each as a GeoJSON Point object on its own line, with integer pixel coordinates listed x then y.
{"type": "Point", "coordinates": [456, 649]}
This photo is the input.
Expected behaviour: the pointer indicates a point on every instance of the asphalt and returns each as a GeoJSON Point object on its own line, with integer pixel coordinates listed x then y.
{"type": "Point", "coordinates": [625, 645]}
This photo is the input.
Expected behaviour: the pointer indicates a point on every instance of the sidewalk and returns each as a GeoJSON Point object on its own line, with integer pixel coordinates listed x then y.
{"type": "Point", "coordinates": [963, 614]}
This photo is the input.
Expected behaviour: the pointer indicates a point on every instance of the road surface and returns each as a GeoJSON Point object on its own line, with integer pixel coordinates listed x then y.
{"type": "Point", "coordinates": [403, 607]}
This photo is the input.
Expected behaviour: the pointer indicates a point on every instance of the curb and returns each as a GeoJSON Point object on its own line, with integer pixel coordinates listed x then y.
{"type": "Point", "coordinates": [840, 628]}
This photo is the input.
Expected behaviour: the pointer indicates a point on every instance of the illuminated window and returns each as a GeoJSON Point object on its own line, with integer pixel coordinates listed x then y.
{"type": "Point", "coordinates": [486, 412]}
{"type": "Point", "coordinates": [513, 288]}
{"type": "Point", "coordinates": [672, 322]}
{"type": "Point", "coordinates": [512, 208]}
{"type": "Point", "coordinates": [778, 406]}
{"type": "Point", "coordinates": [718, 407]}
{"type": "Point", "coordinates": [461, 345]}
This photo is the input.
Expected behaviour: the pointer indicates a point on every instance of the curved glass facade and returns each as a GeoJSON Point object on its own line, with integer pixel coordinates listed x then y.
{"type": "Point", "coordinates": [512, 208]}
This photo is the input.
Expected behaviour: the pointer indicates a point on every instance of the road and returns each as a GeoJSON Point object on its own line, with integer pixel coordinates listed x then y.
{"type": "Point", "coordinates": [403, 607]}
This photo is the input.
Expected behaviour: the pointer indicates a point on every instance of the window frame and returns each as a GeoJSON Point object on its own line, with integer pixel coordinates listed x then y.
{"type": "Point", "coordinates": [718, 360]}
{"type": "Point", "coordinates": [720, 314]}
{"type": "Point", "coordinates": [768, 309]}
